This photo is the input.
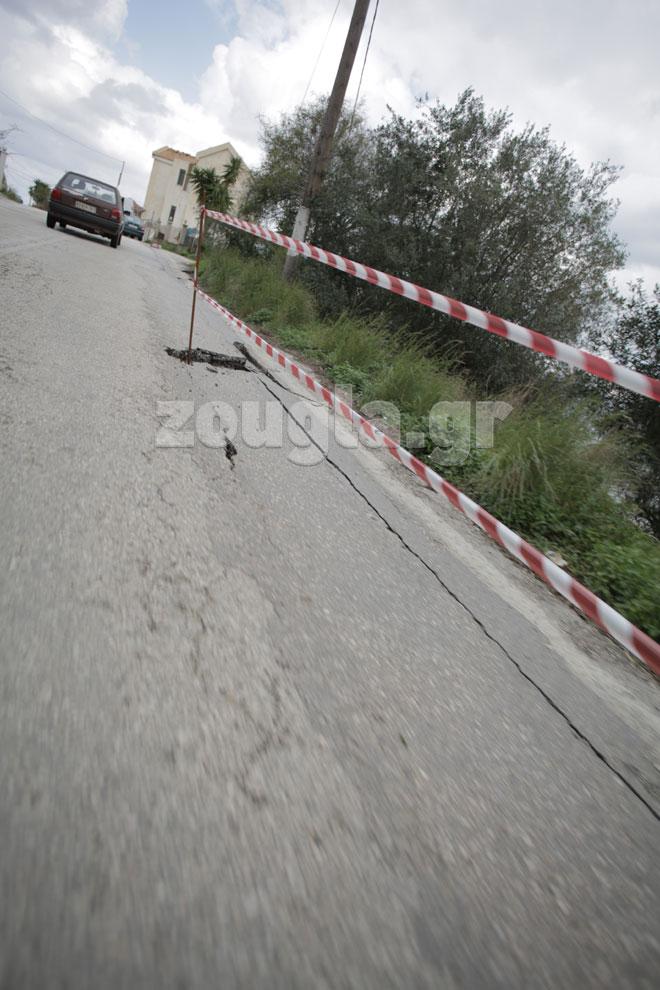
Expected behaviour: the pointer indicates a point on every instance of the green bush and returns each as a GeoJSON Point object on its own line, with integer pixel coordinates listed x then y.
{"type": "Point", "coordinates": [557, 473]}
{"type": "Point", "coordinates": [261, 316]}
{"type": "Point", "coordinates": [10, 193]}
{"type": "Point", "coordinates": [246, 285]}
{"type": "Point", "coordinates": [414, 382]}
{"type": "Point", "coordinates": [346, 374]}
{"type": "Point", "coordinates": [623, 567]}
{"type": "Point", "coordinates": [298, 338]}
{"type": "Point", "coordinates": [353, 341]}
{"type": "Point", "coordinates": [552, 464]}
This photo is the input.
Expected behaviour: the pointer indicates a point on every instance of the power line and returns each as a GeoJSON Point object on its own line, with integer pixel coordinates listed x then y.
{"type": "Point", "coordinates": [357, 96]}
{"type": "Point", "coordinates": [19, 171]}
{"type": "Point", "coordinates": [321, 51]}
{"type": "Point", "coordinates": [31, 158]}
{"type": "Point", "coordinates": [61, 133]}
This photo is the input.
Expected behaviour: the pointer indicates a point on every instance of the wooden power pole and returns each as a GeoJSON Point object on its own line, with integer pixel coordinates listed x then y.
{"type": "Point", "coordinates": [327, 133]}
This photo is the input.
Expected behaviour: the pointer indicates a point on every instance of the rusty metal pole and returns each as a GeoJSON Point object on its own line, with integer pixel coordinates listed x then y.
{"type": "Point", "coordinates": [199, 251]}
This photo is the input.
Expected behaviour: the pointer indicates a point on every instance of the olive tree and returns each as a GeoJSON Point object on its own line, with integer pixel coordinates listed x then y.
{"type": "Point", "coordinates": [458, 200]}
{"type": "Point", "coordinates": [633, 339]}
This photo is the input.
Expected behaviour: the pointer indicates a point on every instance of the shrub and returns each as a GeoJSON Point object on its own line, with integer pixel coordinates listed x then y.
{"type": "Point", "coordinates": [346, 374]}
{"type": "Point", "coordinates": [353, 341]}
{"type": "Point", "coordinates": [553, 463]}
{"type": "Point", "coordinates": [414, 382]}
{"type": "Point", "coordinates": [247, 285]}
{"type": "Point", "coordinates": [10, 193]}
{"type": "Point", "coordinates": [557, 473]}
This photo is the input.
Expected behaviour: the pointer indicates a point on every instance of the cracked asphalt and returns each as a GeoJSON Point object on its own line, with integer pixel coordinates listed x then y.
{"type": "Point", "coordinates": [274, 726]}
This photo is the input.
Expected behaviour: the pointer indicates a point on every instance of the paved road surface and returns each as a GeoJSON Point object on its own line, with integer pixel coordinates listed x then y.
{"type": "Point", "coordinates": [272, 726]}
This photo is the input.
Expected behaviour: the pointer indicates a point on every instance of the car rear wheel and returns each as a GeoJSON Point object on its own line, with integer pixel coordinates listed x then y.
{"type": "Point", "coordinates": [115, 241]}
{"type": "Point", "coordinates": [62, 224]}
{"type": "Point", "coordinates": [50, 220]}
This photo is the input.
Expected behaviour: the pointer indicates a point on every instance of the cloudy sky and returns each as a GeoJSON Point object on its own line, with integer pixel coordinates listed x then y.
{"type": "Point", "coordinates": [123, 77]}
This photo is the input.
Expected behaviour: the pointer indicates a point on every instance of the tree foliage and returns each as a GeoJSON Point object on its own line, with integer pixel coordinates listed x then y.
{"type": "Point", "coordinates": [634, 340]}
{"type": "Point", "coordinates": [277, 186]}
{"type": "Point", "coordinates": [458, 201]}
{"type": "Point", "coordinates": [40, 193]}
{"type": "Point", "coordinates": [216, 187]}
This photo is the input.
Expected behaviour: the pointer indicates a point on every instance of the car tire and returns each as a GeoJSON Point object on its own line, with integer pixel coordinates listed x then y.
{"type": "Point", "coordinates": [62, 224]}
{"type": "Point", "coordinates": [115, 241]}
{"type": "Point", "coordinates": [50, 220]}
{"type": "Point", "coordinates": [140, 236]}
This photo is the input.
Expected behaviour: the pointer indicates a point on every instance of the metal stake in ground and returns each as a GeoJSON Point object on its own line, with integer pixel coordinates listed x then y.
{"type": "Point", "coordinates": [199, 251]}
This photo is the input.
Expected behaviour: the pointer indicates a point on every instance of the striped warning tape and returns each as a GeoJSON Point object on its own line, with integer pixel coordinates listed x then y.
{"type": "Point", "coordinates": [632, 638]}
{"type": "Point", "coordinates": [584, 360]}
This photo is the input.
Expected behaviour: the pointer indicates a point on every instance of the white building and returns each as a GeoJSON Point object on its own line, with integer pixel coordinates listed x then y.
{"type": "Point", "coordinates": [3, 162]}
{"type": "Point", "coordinates": [131, 206]}
{"type": "Point", "coordinates": [170, 206]}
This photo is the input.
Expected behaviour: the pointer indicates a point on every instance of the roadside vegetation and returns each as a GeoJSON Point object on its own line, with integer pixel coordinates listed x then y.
{"type": "Point", "coordinates": [559, 470]}
{"type": "Point", "coordinates": [10, 193]}
{"type": "Point", "coordinates": [178, 249]}
{"type": "Point", "coordinates": [40, 193]}
{"type": "Point", "coordinates": [457, 201]}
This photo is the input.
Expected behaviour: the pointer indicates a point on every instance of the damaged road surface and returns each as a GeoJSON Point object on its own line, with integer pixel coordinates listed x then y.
{"type": "Point", "coordinates": [208, 357]}
{"type": "Point", "coordinates": [287, 726]}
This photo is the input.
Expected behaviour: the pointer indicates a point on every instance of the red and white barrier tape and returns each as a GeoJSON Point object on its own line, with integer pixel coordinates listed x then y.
{"type": "Point", "coordinates": [584, 360]}
{"type": "Point", "coordinates": [616, 625]}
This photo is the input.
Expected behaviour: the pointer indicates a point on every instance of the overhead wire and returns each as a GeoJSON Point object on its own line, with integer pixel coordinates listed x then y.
{"type": "Point", "coordinates": [357, 95]}
{"type": "Point", "coordinates": [21, 173]}
{"type": "Point", "coordinates": [318, 57]}
{"type": "Point", "coordinates": [57, 131]}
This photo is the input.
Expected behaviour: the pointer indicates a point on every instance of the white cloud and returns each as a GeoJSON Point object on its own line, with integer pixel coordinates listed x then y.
{"type": "Point", "coordinates": [590, 71]}
{"type": "Point", "coordinates": [73, 82]}
{"type": "Point", "coordinates": [104, 19]}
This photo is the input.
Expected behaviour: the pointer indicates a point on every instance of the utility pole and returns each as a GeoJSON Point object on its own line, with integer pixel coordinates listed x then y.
{"type": "Point", "coordinates": [327, 133]}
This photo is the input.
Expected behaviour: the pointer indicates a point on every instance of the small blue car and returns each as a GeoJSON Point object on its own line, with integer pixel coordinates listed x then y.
{"type": "Point", "coordinates": [133, 227]}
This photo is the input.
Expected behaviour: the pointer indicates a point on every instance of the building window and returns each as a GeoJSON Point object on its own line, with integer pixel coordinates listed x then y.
{"type": "Point", "coordinates": [172, 212]}
{"type": "Point", "coordinates": [182, 175]}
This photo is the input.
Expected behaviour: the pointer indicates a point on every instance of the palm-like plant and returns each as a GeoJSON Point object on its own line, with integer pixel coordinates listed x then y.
{"type": "Point", "coordinates": [217, 187]}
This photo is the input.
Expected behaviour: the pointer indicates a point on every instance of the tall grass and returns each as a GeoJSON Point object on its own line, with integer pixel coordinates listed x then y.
{"type": "Point", "coordinates": [349, 340]}
{"type": "Point", "coordinates": [557, 474]}
{"type": "Point", "coordinates": [549, 453]}
{"type": "Point", "coordinates": [415, 383]}
{"type": "Point", "coordinates": [247, 284]}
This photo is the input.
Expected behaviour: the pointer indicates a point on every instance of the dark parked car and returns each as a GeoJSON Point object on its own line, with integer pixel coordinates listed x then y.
{"type": "Point", "coordinates": [79, 201]}
{"type": "Point", "coordinates": [133, 227]}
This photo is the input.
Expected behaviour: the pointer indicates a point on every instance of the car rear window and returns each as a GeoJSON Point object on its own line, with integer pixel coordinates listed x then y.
{"type": "Point", "coordinates": [89, 187]}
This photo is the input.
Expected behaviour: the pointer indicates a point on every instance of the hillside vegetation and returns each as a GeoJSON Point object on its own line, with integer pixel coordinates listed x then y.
{"type": "Point", "coordinates": [559, 472]}
{"type": "Point", "coordinates": [459, 201]}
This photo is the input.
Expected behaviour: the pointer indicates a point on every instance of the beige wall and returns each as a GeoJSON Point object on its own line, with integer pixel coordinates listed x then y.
{"type": "Point", "coordinates": [163, 191]}
{"type": "Point", "coordinates": [218, 158]}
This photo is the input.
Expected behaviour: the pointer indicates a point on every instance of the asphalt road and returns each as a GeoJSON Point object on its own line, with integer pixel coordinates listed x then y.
{"type": "Point", "coordinates": [267, 725]}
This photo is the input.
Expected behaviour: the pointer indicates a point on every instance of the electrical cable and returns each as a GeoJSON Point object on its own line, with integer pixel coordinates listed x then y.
{"type": "Point", "coordinates": [321, 51]}
{"type": "Point", "coordinates": [17, 168]}
{"type": "Point", "coordinates": [61, 133]}
{"type": "Point", "coordinates": [357, 96]}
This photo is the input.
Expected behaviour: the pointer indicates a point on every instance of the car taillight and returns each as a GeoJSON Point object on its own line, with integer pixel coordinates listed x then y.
{"type": "Point", "coordinates": [115, 215]}
{"type": "Point", "coordinates": [56, 193]}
